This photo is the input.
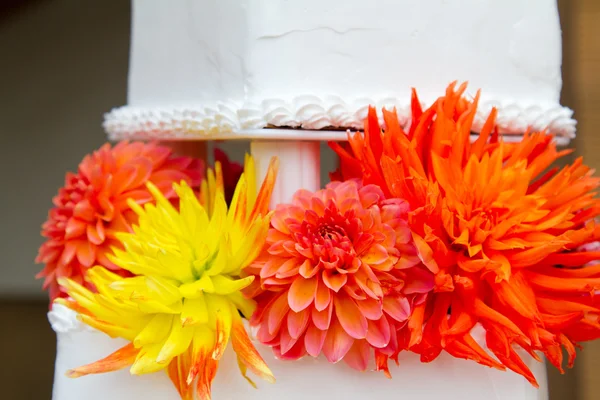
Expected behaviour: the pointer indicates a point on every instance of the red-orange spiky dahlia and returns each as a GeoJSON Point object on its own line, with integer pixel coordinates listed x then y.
{"type": "Point", "coordinates": [339, 275]}
{"type": "Point", "coordinates": [92, 206]}
{"type": "Point", "coordinates": [503, 231]}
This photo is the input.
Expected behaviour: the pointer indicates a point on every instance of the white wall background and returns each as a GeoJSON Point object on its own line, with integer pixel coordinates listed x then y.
{"type": "Point", "coordinates": [63, 63]}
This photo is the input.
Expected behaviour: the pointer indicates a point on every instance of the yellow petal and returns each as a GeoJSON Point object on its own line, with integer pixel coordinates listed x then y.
{"type": "Point", "coordinates": [178, 341]}
{"type": "Point", "coordinates": [156, 330]}
{"type": "Point", "coordinates": [146, 363]}
{"type": "Point", "coordinates": [194, 311]}
{"type": "Point", "coordinates": [194, 289]}
{"type": "Point", "coordinates": [225, 285]}
{"type": "Point", "coordinates": [220, 316]}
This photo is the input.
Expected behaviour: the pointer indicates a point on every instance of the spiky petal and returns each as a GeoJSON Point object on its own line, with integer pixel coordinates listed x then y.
{"type": "Point", "coordinates": [183, 305]}
{"type": "Point", "coordinates": [503, 232]}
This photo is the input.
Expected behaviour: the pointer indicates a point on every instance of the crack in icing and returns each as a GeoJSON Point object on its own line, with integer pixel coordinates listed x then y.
{"type": "Point", "coordinates": [309, 112]}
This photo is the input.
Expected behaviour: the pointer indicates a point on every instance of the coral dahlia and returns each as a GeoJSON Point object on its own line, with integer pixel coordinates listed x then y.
{"type": "Point", "coordinates": [339, 275]}
{"type": "Point", "coordinates": [505, 232]}
{"type": "Point", "coordinates": [92, 206]}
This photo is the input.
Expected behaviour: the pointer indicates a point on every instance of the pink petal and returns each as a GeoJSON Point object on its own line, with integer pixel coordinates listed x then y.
{"type": "Point", "coordinates": [322, 319]}
{"type": "Point", "coordinates": [350, 317]}
{"type": "Point", "coordinates": [297, 322]}
{"type": "Point", "coordinates": [301, 293]}
{"type": "Point", "coordinates": [370, 308]}
{"type": "Point", "coordinates": [379, 333]}
{"type": "Point", "coordinates": [286, 340]}
{"type": "Point", "coordinates": [277, 312]}
{"type": "Point", "coordinates": [358, 355]}
{"type": "Point", "coordinates": [313, 340]}
{"type": "Point", "coordinates": [337, 343]}
{"type": "Point", "coordinates": [322, 297]}
{"type": "Point", "coordinates": [333, 280]}
{"type": "Point", "coordinates": [397, 308]}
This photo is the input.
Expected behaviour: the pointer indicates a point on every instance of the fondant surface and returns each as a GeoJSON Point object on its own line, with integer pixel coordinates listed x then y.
{"type": "Point", "coordinates": [445, 378]}
{"type": "Point", "coordinates": [210, 66]}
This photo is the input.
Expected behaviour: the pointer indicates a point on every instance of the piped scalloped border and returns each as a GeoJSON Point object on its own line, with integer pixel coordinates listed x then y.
{"type": "Point", "coordinates": [225, 120]}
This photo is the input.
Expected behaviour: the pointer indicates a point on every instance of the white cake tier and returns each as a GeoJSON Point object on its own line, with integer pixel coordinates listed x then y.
{"type": "Point", "coordinates": [445, 378]}
{"type": "Point", "coordinates": [205, 67]}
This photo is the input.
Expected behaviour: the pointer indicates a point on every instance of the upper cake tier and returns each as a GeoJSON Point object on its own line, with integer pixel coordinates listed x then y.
{"type": "Point", "coordinates": [208, 67]}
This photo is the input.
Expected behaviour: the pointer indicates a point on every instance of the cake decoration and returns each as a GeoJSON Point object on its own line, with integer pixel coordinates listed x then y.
{"type": "Point", "coordinates": [339, 275]}
{"type": "Point", "coordinates": [93, 207]}
{"type": "Point", "coordinates": [183, 303]}
{"type": "Point", "coordinates": [310, 112]}
{"type": "Point", "coordinates": [502, 232]}
{"type": "Point", "coordinates": [422, 239]}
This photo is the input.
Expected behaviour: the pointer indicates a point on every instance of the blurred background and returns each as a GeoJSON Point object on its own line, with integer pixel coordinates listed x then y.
{"type": "Point", "coordinates": [63, 63]}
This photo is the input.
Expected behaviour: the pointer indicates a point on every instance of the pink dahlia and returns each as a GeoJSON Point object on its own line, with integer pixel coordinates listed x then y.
{"type": "Point", "coordinates": [92, 206]}
{"type": "Point", "coordinates": [339, 275]}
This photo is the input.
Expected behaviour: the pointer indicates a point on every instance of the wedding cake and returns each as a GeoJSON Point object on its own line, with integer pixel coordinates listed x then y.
{"type": "Point", "coordinates": [442, 245]}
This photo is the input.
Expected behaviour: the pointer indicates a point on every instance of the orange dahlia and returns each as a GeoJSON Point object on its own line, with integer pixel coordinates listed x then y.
{"type": "Point", "coordinates": [339, 275]}
{"type": "Point", "coordinates": [507, 235]}
{"type": "Point", "coordinates": [92, 206]}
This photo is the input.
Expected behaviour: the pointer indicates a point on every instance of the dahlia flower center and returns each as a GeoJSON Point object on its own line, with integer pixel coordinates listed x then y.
{"type": "Point", "coordinates": [332, 233]}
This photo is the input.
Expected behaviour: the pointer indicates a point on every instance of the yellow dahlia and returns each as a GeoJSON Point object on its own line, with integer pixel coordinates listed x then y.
{"type": "Point", "coordinates": [184, 304]}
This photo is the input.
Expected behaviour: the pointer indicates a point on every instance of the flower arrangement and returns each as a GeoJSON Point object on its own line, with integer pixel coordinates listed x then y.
{"type": "Point", "coordinates": [421, 237]}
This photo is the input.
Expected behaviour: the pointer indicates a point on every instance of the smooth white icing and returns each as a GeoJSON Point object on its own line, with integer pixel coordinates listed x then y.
{"type": "Point", "coordinates": [201, 67]}
{"type": "Point", "coordinates": [446, 377]}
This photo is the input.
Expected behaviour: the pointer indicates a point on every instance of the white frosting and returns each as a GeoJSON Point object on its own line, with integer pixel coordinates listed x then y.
{"type": "Point", "coordinates": [201, 67]}
{"type": "Point", "coordinates": [446, 377]}
{"type": "Point", "coordinates": [307, 112]}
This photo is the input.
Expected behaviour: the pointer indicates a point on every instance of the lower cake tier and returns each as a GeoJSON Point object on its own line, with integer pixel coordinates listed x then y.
{"type": "Point", "coordinates": [446, 377]}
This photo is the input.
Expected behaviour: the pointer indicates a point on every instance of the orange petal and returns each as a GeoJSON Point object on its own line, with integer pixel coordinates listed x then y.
{"type": "Point", "coordinates": [337, 343]}
{"type": "Point", "coordinates": [350, 317]}
{"type": "Point", "coordinates": [243, 346]}
{"type": "Point", "coordinates": [322, 297]}
{"type": "Point", "coordinates": [322, 319]}
{"type": "Point", "coordinates": [333, 280]}
{"type": "Point", "coordinates": [302, 293]}
{"type": "Point", "coordinates": [120, 359]}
